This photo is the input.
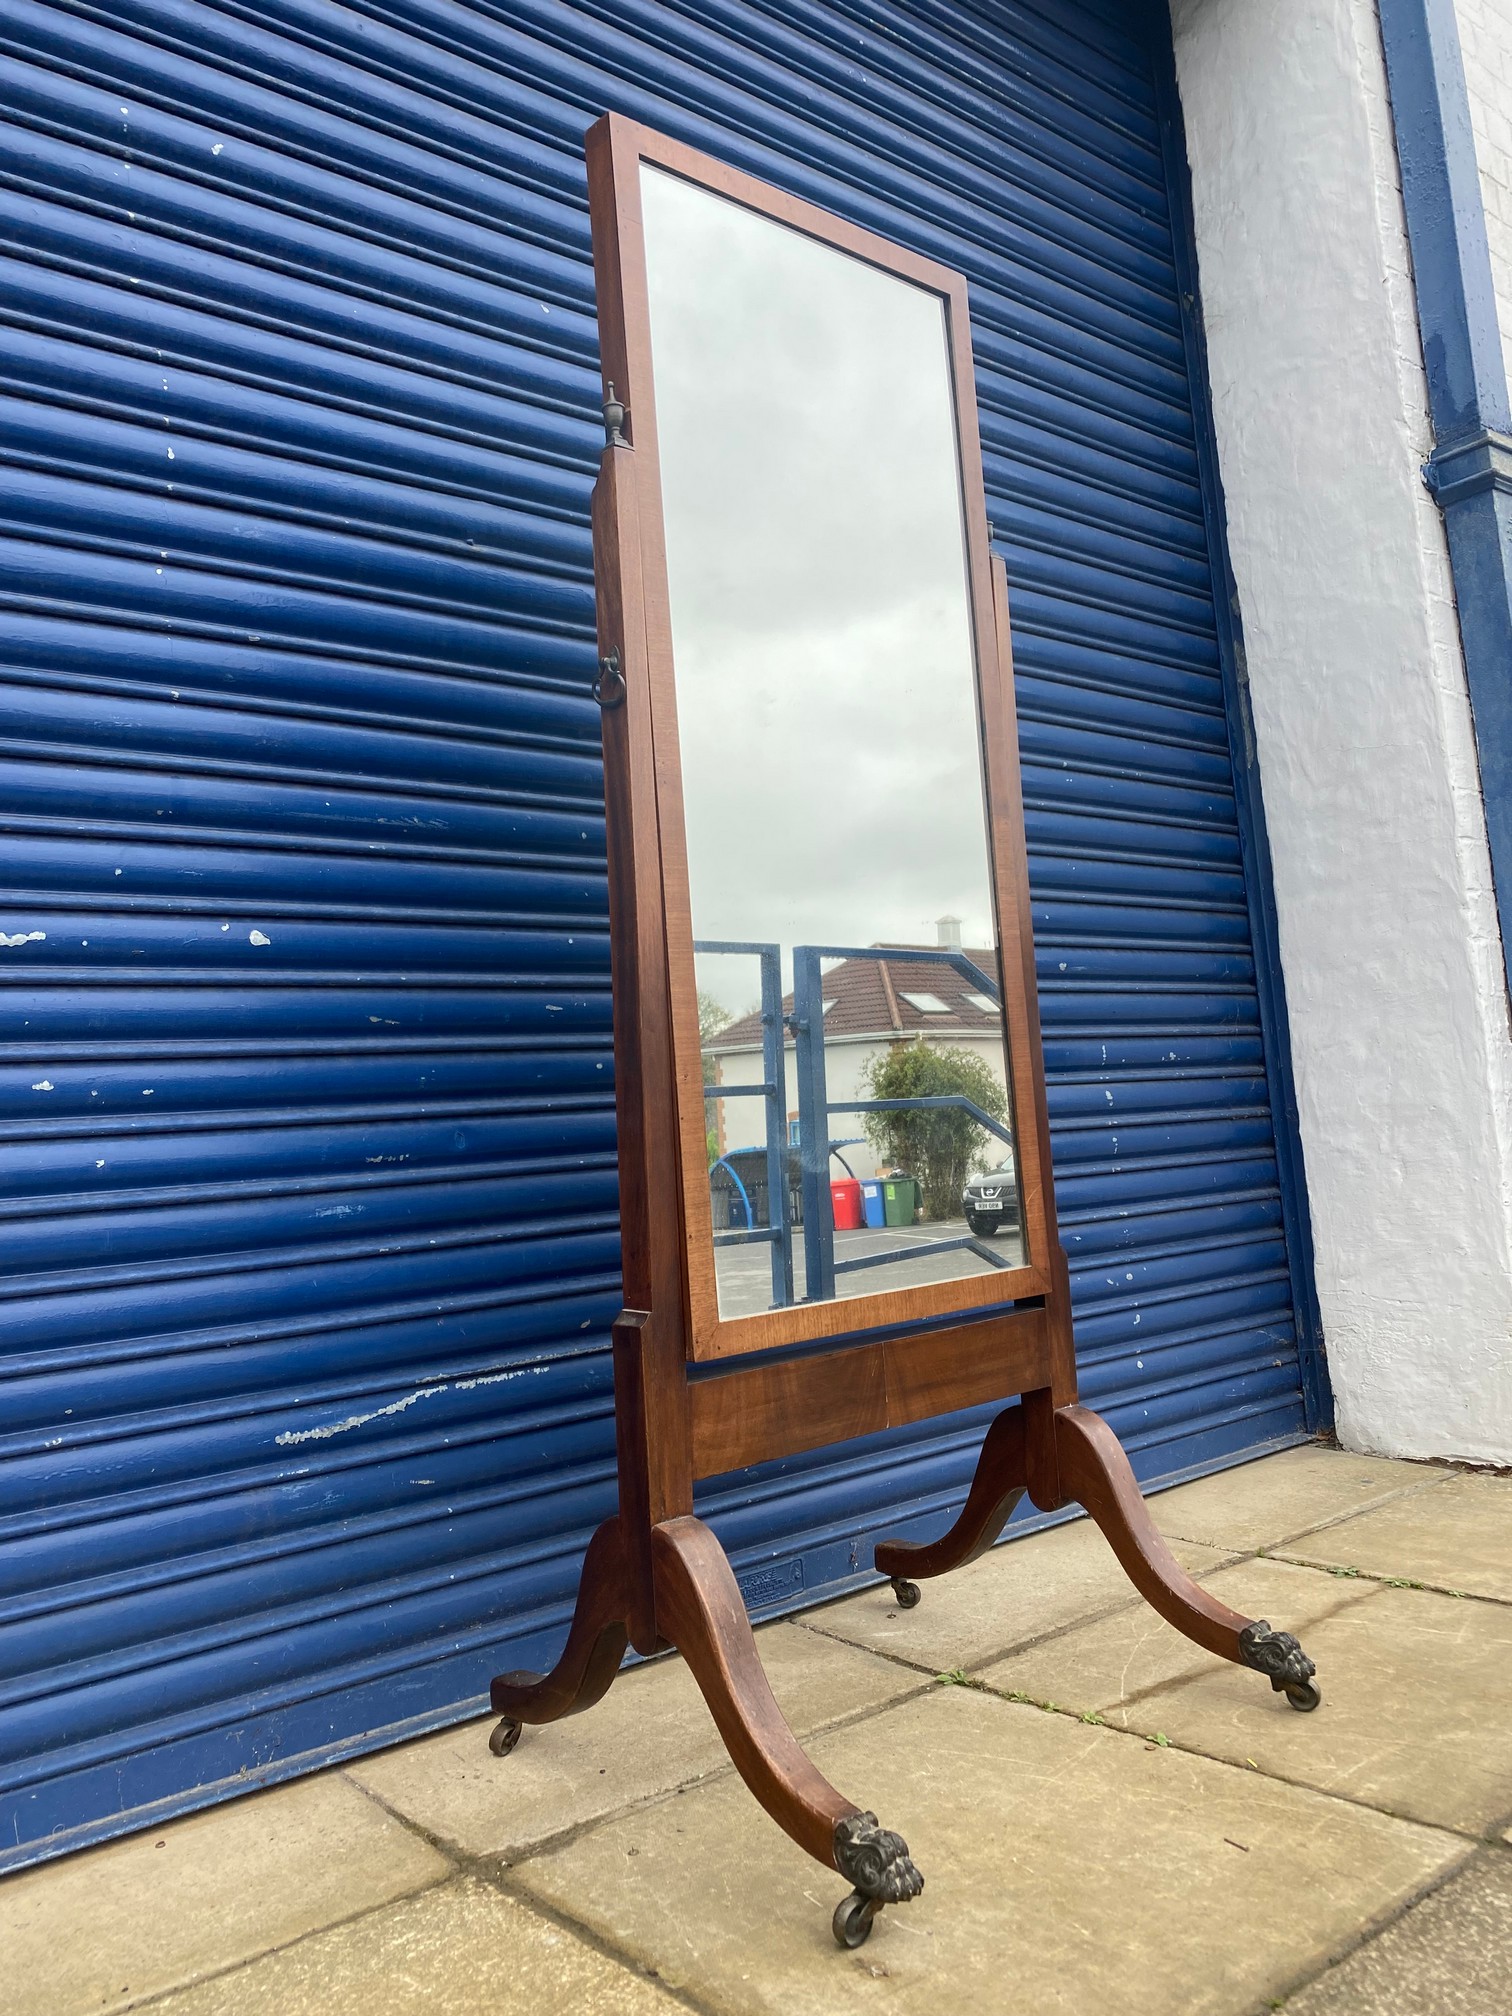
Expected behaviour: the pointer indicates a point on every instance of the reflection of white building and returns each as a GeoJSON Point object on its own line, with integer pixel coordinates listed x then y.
{"type": "Point", "coordinates": [869, 1005]}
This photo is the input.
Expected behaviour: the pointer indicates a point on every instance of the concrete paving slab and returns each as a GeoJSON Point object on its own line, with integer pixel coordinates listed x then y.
{"type": "Point", "coordinates": [1009, 1597]}
{"type": "Point", "coordinates": [650, 1733]}
{"type": "Point", "coordinates": [1277, 1497]}
{"type": "Point", "coordinates": [463, 1950]}
{"type": "Point", "coordinates": [1068, 1869]}
{"type": "Point", "coordinates": [1457, 1537]}
{"type": "Point", "coordinates": [137, 1917]}
{"type": "Point", "coordinates": [1450, 1955]}
{"type": "Point", "coordinates": [1417, 1698]}
{"type": "Point", "coordinates": [1103, 1665]}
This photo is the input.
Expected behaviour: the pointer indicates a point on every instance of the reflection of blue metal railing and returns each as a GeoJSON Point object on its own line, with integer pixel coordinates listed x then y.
{"type": "Point", "coordinates": [939, 1100]}
{"type": "Point", "coordinates": [773, 1089]}
{"type": "Point", "coordinates": [816, 1146]}
{"type": "Point", "coordinates": [733, 1173]}
{"type": "Point", "coordinates": [815, 1108]}
{"type": "Point", "coordinates": [921, 1251]}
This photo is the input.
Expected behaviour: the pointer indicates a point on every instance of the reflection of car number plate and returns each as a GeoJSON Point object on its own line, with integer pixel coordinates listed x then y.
{"type": "Point", "coordinates": [982, 1205]}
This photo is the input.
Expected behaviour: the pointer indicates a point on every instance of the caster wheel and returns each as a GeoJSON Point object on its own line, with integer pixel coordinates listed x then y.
{"type": "Point", "coordinates": [905, 1594]}
{"type": "Point", "coordinates": [1304, 1696]}
{"type": "Point", "coordinates": [853, 1917]}
{"type": "Point", "coordinates": [504, 1735]}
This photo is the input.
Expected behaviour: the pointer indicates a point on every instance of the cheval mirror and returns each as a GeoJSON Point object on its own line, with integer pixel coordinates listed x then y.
{"type": "Point", "coordinates": [821, 949]}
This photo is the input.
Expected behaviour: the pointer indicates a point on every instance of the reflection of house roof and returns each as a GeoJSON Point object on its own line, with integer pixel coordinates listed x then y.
{"type": "Point", "coordinates": [868, 997]}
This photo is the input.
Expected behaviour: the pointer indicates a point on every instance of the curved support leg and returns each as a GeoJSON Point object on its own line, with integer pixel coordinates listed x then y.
{"type": "Point", "coordinates": [700, 1608]}
{"type": "Point", "coordinates": [996, 1489]}
{"type": "Point", "coordinates": [590, 1658]}
{"type": "Point", "coordinates": [1095, 1472]}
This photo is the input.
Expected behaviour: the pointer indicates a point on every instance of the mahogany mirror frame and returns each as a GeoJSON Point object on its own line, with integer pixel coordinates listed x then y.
{"type": "Point", "coordinates": [617, 148]}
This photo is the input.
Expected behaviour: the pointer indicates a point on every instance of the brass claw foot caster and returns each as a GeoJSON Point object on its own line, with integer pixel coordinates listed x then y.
{"type": "Point", "coordinates": [504, 1735]}
{"type": "Point", "coordinates": [906, 1594]}
{"type": "Point", "coordinates": [877, 1861]}
{"type": "Point", "coordinates": [1288, 1668]}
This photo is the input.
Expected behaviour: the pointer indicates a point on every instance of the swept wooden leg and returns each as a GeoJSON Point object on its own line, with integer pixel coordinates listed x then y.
{"type": "Point", "coordinates": [590, 1658]}
{"type": "Point", "coordinates": [700, 1609]}
{"type": "Point", "coordinates": [1094, 1471]}
{"type": "Point", "coordinates": [996, 1489]}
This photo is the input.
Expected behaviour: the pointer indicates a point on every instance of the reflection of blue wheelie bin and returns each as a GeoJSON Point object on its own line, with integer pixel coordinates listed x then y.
{"type": "Point", "coordinates": [873, 1207]}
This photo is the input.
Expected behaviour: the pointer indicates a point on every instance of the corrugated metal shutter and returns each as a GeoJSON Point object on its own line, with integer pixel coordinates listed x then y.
{"type": "Point", "coordinates": [309, 1185]}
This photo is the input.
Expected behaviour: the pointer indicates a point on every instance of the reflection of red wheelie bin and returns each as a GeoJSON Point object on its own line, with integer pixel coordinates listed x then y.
{"type": "Point", "coordinates": [845, 1199]}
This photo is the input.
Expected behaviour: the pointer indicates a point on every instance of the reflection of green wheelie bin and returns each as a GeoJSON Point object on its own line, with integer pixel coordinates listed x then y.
{"type": "Point", "coordinates": [900, 1196]}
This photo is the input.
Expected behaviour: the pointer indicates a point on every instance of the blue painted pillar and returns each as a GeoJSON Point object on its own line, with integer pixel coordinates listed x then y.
{"type": "Point", "coordinates": [813, 1125]}
{"type": "Point", "coordinates": [1470, 469]}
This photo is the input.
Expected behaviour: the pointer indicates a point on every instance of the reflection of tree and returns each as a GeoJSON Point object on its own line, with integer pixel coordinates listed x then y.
{"type": "Point", "coordinates": [935, 1144]}
{"type": "Point", "coordinates": [712, 1017]}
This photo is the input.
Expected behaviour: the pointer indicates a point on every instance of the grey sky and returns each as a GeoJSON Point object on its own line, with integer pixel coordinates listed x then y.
{"type": "Point", "coordinates": [821, 629]}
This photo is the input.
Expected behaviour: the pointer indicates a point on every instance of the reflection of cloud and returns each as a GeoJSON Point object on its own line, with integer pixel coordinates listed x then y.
{"type": "Point", "coordinates": [820, 622]}
{"type": "Point", "coordinates": [864, 833]}
{"type": "Point", "coordinates": [734, 980]}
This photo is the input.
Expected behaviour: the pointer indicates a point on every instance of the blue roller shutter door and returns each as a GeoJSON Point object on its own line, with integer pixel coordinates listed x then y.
{"type": "Point", "coordinates": [309, 1186]}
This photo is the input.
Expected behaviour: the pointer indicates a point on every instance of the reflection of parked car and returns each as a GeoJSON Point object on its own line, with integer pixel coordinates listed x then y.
{"type": "Point", "coordinates": [991, 1201]}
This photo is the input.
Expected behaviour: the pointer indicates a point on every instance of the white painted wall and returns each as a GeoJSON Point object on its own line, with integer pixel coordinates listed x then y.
{"type": "Point", "coordinates": [1486, 42]}
{"type": "Point", "coordinates": [1387, 922]}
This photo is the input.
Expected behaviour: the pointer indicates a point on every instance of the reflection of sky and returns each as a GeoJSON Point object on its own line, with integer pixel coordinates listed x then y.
{"type": "Point", "coordinates": [819, 615]}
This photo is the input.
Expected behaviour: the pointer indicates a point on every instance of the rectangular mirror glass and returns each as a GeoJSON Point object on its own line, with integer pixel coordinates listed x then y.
{"type": "Point", "coordinates": [857, 1117]}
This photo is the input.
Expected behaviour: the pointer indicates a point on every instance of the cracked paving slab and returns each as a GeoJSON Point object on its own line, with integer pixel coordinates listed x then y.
{"type": "Point", "coordinates": [1104, 1665]}
{"type": "Point", "coordinates": [651, 1733]}
{"type": "Point", "coordinates": [1460, 1537]}
{"type": "Point", "coordinates": [1010, 1596]}
{"type": "Point", "coordinates": [1417, 1698]}
{"type": "Point", "coordinates": [464, 1950]}
{"type": "Point", "coordinates": [1087, 1869]}
{"type": "Point", "coordinates": [107, 1928]}
{"type": "Point", "coordinates": [1260, 1504]}
{"type": "Point", "coordinates": [1450, 1955]}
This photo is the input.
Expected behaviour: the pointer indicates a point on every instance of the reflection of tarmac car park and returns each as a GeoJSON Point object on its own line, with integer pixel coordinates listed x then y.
{"type": "Point", "coordinates": [745, 1275]}
{"type": "Point", "coordinates": [990, 1200]}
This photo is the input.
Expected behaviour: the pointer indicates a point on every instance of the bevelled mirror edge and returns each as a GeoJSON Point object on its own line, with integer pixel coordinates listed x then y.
{"type": "Point", "coordinates": [617, 149]}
